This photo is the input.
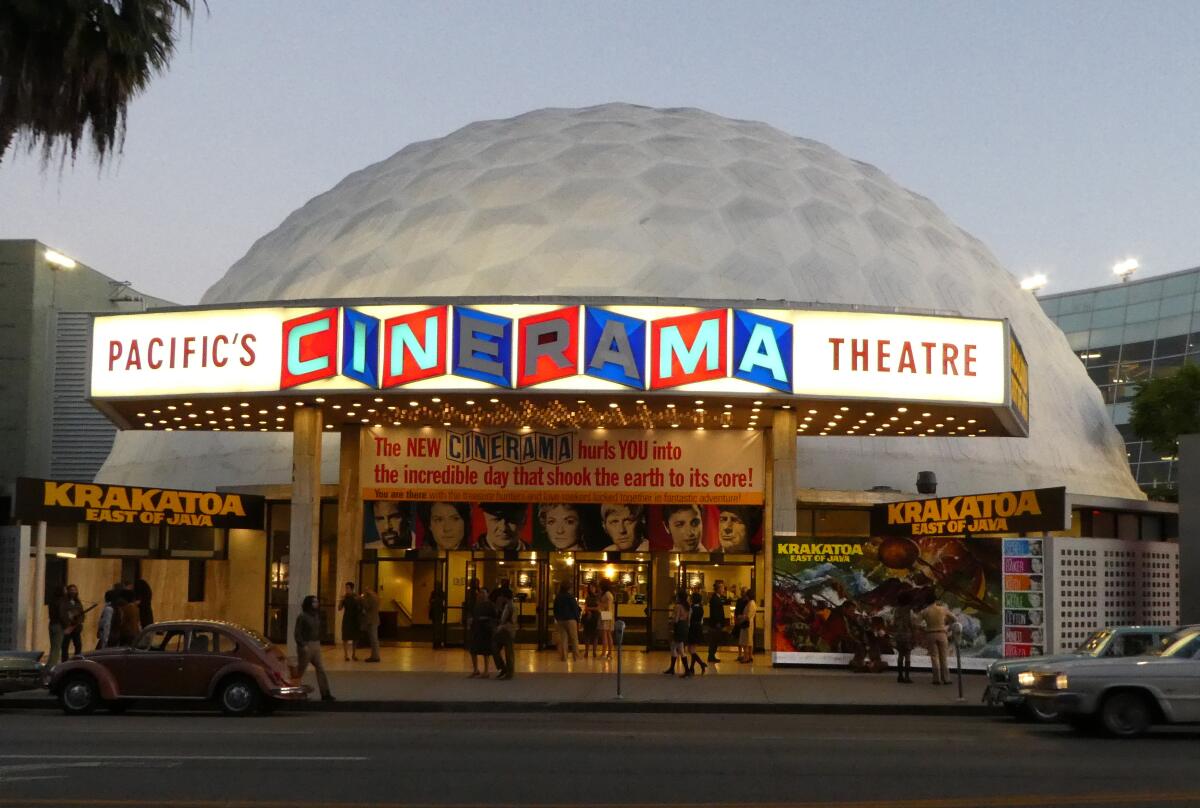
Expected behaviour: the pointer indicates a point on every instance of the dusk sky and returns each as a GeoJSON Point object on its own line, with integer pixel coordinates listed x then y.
{"type": "Point", "coordinates": [1064, 135]}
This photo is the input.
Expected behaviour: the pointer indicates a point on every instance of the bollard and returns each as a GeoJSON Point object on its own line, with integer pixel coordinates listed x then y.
{"type": "Point", "coordinates": [618, 640]}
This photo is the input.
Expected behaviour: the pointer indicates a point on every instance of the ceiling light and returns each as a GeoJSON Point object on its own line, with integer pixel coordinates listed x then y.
{"type": "Point", "coordinates": [414, 403]}
{"type": "Point", "coordinates": [902, 409]}
{"type": "Point", "coordinates": [434, 400]}
{"type": "Point", "coordinates": [494, 400]}
{"type": "Point", "coordinates": [812, 412]}
{"type": "Point", "coordinates": [612, 405]}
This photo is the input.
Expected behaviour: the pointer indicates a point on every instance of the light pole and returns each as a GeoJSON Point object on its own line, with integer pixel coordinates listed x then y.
{"type": "Point", "coordinates": [1034, 283]}
{"type": "Point", "coordinates": [1125, 269]}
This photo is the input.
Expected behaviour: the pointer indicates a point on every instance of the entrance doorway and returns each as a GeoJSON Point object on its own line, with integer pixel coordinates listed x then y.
{"type": "Point", "coordinates": [404, 587]}
{"type": "Point", "coordinates": [524, 576]}
{"type": "Point", "coordinates": [631, 588]}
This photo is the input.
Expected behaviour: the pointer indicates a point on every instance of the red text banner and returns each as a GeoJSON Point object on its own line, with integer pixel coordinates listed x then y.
{"type": "Point", "coordinates": [598, 466]}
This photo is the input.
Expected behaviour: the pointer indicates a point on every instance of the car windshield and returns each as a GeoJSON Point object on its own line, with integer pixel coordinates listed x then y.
{"type": "Point", "coordinates": [1182, 644]}
{"type": "Point", "coordinates": [1094, 645]}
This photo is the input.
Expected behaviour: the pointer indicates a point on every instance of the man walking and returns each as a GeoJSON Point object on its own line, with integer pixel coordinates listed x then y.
{"type": "Point", "coordinates": [370, 616]}
{"type": "Point", "coordinates": [566, 617]}
{"type": "Point", "coordinates": [71, 614]}
{"type": "Point", "coordinates": [718, 619]}
{"type": "Point", "coordinates": [308, 644]}
{"type": "Point", "coordinates": [937, 619]}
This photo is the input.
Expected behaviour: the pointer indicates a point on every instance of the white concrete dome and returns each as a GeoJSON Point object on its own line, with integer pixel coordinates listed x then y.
{"type": "Point", "coordinates": [622, 200]}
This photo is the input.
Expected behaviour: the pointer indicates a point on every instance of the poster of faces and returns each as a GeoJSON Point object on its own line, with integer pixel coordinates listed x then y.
{"type": "Point", "coordinates": [683, 527]}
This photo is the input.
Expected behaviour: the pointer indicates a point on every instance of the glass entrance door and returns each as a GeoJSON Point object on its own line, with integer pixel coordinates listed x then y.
{"type": "Point", "coordinates": [524, 577]}
{"type": "Point", "coordinates": [403, 587]}
{"type": "Point", "coordinates": [631, 591]}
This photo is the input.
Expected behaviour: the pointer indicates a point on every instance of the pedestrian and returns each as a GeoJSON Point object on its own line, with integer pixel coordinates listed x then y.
{"type": "Point", "coordinates": [104, 626]}
{"type": "Point", "coordinates": [566, 618]}
{"type": "Point", "coordinates": [695, 636]}
{"type": "Point", "coordinates": [591, 619]}
{"type": "Point", "coordinates": [307, 634]}
{"type": "Point", "coordinates": [746, 629]}
{"type": "Point", "coordinates": [904, 632]}
{"type": "Point", "coordinates": [502, 638]}
{"type": "Point", "coordinates": [679, 631]}
{"type": "Point", "coordinates": [71, 610]}
{"type": "Point", "coordinates": [936, 618]}
{"type": "Point", "coordinates": [437, 615]}
{"type": "Point", "coordinates": [130, 625]}
{"type": "Point", "coordinates": [608, 608]}
{"type": "Point", "coordinates": [351, 608]}
{"type": "Point", "coordinates": [718, 620]}
{"type": "Point", "coordinates": [483, 626]}
{"type": "Point", "coordinates": [370, 622]}
{"type": "Point", "coordinates": [143, 595]}
{"type": "Point", "coordinates": [54, 613]}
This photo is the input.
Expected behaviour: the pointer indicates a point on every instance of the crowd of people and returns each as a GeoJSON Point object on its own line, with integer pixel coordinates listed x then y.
{"type": "Point", "coordinates": [127, 608]}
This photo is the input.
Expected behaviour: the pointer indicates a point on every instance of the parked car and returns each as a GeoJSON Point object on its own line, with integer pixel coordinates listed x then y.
{"type": "Point", "coordinates": [200, 660]}
{"type": "Point", "coordinates": [1126, 696]}
{"type": "Point", "coordinates": [1006, 677]}
{"type": "Point", "coordinates": [21, 670]}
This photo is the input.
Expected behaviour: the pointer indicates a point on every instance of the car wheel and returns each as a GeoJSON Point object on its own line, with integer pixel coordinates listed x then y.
{"type": "Point", "coordinates": [1126, 715]}
{"type": "Point", "coordinates": [1040, 712]}
{"type": "Point", "coordinates": [239, 696]}
{"type": "Point", "coordinates": [79, 695]}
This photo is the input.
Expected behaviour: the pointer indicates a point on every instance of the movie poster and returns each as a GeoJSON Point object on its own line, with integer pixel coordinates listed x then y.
{"type": "Point", "coordinates": [568, 527]}
{"type": "Point", "coordinates": [833, 599]}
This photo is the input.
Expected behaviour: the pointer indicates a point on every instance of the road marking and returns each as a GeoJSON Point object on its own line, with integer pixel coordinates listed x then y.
{"type": "Point", "coordinates": [118, 758]}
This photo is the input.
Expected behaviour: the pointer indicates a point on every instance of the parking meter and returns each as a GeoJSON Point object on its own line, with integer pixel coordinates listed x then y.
{"type": "Point", "coordinates": [618, 639]}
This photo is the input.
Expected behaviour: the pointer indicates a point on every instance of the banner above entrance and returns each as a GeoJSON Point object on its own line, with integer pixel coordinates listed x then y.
{"type": "Point", "coordinates": [587, 466]}
{"type": "Point", "coordinates": [538, 347]}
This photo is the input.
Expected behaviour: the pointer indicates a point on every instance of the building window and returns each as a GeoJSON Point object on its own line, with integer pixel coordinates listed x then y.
{"type": "Point", "coordinates": [196, 580]}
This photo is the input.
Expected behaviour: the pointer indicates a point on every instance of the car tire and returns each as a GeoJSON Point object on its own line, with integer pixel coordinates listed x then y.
{"type": "Point", "coordinates": [1126, 714]}
{"type": "Point", "coordinates": [239, 696]}
{"type": "Point", "coordinates": [1038, 713]}
{"type": "Point", "coordinates": [79, 695]}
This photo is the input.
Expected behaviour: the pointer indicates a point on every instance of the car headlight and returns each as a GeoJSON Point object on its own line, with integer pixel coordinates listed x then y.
{"type": "Point", "coordinates": [1025, 678]}
{"type": "Point", "coordinates": [1061, 682]}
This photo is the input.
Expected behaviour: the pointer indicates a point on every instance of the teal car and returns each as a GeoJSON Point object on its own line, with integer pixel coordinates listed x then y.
{"type": "Point", "coordinates": [1006, 677]}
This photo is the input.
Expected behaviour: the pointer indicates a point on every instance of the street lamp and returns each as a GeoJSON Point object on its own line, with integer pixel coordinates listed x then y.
{"type": "Point", "coordinates": [1125, 269]}
{"type": "Point", "coordinates": [55, 258]}
{"type": "Point", "coordinates": [1034, 283]}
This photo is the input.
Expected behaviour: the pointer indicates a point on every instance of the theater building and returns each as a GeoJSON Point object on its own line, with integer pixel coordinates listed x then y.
{"type": "Point", "coordinates": [649, 347]}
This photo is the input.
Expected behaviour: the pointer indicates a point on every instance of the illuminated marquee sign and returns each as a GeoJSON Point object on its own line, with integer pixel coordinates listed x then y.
{"type": "Point", "coordinates": [555, 347]}
{"type": "Point", "coordinates": [1029, 511]}
{"type": "Point", "coordinates": [66, 502]}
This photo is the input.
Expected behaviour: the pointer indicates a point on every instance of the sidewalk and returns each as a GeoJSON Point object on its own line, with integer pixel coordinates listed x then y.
{"type": "Point", "coordinates": [544, 683]}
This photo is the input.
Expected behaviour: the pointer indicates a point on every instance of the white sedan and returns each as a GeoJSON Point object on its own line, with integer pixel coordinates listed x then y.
{"type": "Point", "coordinates": [1126, 696]}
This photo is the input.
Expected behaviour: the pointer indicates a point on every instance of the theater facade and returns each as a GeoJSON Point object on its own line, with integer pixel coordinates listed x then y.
{"type": "Point", "coordinates": [543, 441]}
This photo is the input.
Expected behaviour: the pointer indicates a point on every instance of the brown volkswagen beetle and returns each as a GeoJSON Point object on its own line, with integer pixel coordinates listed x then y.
{"type": "Point", "coordinates": [202, 660]}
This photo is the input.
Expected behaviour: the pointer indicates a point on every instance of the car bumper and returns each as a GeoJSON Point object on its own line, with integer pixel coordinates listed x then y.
{"type": "Point", "coordinates": [997, 694]}
{"type": "Point", "coordinates": [291, 692]}
{"type": "Point", "coordinates": [1064, 702]}
{"type": "Point", "coordinates": [11, 682]}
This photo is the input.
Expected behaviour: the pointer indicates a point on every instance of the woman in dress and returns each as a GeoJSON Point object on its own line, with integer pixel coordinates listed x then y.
{"type": "Point", "coordinates": [351, 609]}
{"type": "Point", "coordinates": [591, 619]}
{"type": "Point", "coordinates": [483, 628]}
{"type": "Point", "coordinates": [608, 614]}
{"type": "Point", "coordinates": [695, 636]}
{"type": "Point", "coordinates": [680, 616]}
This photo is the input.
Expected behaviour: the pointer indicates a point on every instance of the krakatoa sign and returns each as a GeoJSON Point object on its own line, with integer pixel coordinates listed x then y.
{"type": "Point", "coordinates": [62, 502]}
{"type": "Point", "coordinates": [552, 347]}
{"type": "Point", "coordinates": [1029, 511]}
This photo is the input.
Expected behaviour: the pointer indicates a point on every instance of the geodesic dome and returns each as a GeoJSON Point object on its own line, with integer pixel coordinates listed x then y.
{"type": "Point", "coordinates": [630, 201]}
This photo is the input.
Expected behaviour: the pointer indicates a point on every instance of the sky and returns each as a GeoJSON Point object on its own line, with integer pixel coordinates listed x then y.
{"type": "Point", "coordinates": [1064, 135]}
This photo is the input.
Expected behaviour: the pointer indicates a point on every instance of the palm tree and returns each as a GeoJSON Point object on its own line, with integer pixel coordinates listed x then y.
{"type": "Point", "coordinates": [69, 68]}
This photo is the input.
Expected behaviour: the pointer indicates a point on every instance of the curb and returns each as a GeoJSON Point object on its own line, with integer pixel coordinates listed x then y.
{"type": "Point", "coordinates": [614, 706]}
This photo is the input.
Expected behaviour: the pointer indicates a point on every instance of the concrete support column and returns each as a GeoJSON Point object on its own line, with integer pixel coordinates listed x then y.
{"type": "Point", "coordinates": [781, 457]}
{"type": "Point", "coordinates": [37, 592]}
{"type": "Point", "coordinates": [350, 511]}
{"type": "Point", "coordinates": [1188, 475]}
{"type": "Point", "coordinates": [306, 512]}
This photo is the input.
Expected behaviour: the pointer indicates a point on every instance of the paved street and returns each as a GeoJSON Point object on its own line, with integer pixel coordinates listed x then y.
{"type": "Point", "coordinates": [350, 759]}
